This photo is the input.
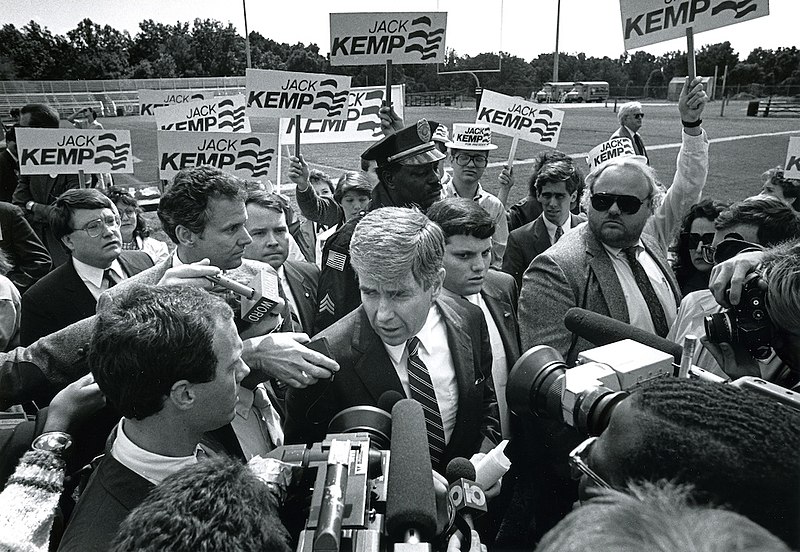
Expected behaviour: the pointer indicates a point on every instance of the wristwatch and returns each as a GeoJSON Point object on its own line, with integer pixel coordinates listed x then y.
{"type": "Point", "coordinates": [52, 441]}
{"type": "Point", "coordinates": [29, 205]}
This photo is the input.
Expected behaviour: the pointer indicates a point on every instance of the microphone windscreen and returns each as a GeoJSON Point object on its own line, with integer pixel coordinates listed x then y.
{"type": "Point", "coordinates": [410, 499]}
{"type": "Point", "coordinates": [602, 330]}
{"type": "Point", "coordinates": [388, 399]}
{"type": "Point", "coordinates": [459, 468]}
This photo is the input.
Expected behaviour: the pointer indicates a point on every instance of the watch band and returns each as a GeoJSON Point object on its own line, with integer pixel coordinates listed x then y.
{"type": "Point", "coordinates": [52, 441]}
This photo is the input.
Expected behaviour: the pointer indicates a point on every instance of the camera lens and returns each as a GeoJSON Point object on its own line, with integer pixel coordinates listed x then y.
{"type": "Point", "coordinates": [720, 328]}
{"type": "Point", "coordinates": [593, 409]}
{"type": "Point", "coordinates": [536, 382]}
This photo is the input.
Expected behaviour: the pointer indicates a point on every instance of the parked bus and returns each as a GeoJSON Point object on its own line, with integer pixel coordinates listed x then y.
{"type": "Point", "coordinates": [552, 92]}
{"type": "Point", "coordinates": [588, 91]}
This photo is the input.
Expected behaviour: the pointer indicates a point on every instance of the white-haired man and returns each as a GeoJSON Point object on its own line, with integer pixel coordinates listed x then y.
{"type": "Point", "coordinates": [630, 118]}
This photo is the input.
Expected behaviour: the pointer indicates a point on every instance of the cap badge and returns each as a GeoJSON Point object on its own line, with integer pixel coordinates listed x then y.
{"type": "Point", "coordinates": [424, 130]}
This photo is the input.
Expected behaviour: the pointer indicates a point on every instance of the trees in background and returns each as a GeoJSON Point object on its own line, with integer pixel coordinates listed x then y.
{"type": "Point", "coordinates": [209, 48]}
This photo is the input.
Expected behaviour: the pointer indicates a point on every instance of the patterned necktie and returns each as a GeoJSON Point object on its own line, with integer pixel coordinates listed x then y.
{"type": "Point", "coordinates": [559, 233]}
{"type": "Point", "coordinates": [290, 316]}
{"type": "Point", "coordinates": [419, 380]}
{"type": "Point", "coordinates": [648, 292]}
{"type": "Point", "coordinates": [108, 278]}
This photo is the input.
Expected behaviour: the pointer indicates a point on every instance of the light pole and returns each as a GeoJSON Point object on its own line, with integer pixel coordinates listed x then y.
{"type": "Point", "coordinates": [247, 34]}
{"type": "Point", "coordinates": [555, 57]}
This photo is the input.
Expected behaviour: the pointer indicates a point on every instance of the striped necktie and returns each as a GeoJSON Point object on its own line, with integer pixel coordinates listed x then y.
{"type": "Point", "coordinates": [648, 292]}
{"type": "Point", "coordinates": [419, 381]}
{"type": "Point", "coordinates": [109, 278]}
{"type": "Point", "coordinates": [559, 233]}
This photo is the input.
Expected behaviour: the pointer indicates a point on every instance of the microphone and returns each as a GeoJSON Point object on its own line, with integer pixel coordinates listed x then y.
{"type": "Point", "coordinates": [388, 399]}
{"type": "Point", "coordinates": [258, 298]}
{"type": "Point", "coordinates": [410, 498]}
{"type": "Point", "coordinates": [602, 330]}
{"type": "Point", "coordinates": [467, 497]}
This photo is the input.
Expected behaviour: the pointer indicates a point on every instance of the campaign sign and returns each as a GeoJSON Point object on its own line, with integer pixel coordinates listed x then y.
{"type": "Point", "coordinates": [65, 150]}
{"type": "Point", "coordinates": [245, 155]}
{"type": "Point", "coordinates": [615, 147]}
{"type": "Point", "coordinates": [286, 94]}
{"type": "Point", "coordinates": [149, 100]}
{"type": "Point", "coordinates": [219, 114]}
{"type": "Point", "coordinates": [375, 38]}
{"type": "Point", "coordinates": [362, 123]}
{"type": "Point", "coordinates": [791, 169]}
{"type": "Point", "coordinates": [650, 21]}
{"type": "Point", "coordinates": [521, 119]}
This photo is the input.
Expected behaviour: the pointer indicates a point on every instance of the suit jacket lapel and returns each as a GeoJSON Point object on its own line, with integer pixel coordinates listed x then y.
{"type": "Point", "coordinates": [541, 239]}
{"type": "Point", "coordinates": [503, 315]}
{"type": "Point", "coordinates": [374, 366]}
{"type": "Point", "coordinates": [606, 278]}
{"type": "Point", "coordinates": [74, 285]}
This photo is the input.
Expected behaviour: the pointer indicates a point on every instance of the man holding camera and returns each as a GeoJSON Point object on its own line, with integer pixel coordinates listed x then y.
{"type": "Point", "coordinates": [611, 266]}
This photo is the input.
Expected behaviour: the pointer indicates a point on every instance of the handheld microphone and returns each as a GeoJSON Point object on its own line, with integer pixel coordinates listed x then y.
{"type": "Point", "coordinates": [258, 299]}
{"type": "Point", "coordinates": [602, 330]}
{"type": "Point", "coordinates": [468, 498]}
{"type": "Point", "coordinates": [410, 498]}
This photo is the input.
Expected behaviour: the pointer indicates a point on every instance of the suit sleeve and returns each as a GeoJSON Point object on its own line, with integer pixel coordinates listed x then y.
{"type": "Point", "coordinates": [31, 259]}
{"type": "Point", "coordinates": [337, 291]}
{"type": "Point", "coordinates": [545, 298]}
{"type": "Point", "coordinates": [513, 259]}
{"type": "Point", "coordinates": [323, 210]}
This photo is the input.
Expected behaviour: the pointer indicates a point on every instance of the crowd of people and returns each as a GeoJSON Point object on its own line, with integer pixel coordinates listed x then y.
{"type": "Point", "coordinates": [144, 387]}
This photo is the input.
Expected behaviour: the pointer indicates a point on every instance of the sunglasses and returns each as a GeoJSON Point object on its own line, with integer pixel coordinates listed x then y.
{"type": "Point", "coordinates": [628, 204]}
{"type": "Point", "coordinates": [638, 115]}
{"type": "Point", "coordinates": [693, 239]}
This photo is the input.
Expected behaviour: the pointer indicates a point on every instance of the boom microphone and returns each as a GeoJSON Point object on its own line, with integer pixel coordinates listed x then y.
{"type": "Point", "coordinates": [602, 330]}
{"type": "Point", "coordinates": [410, 498]}
{"type": "Point", "coordinates": [388, 399]}
{"type": "Point", "coordinates": [258, 298]}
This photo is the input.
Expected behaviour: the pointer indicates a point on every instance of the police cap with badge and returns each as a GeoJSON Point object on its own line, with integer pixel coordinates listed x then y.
{"type": "Point", "coordinates": [412, 145]}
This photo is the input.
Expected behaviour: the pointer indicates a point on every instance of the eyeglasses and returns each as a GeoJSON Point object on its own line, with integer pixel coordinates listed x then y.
{"type": "Point", "coordinates": [638, 115]}
{"type": "Point", "coordinates": [97, 226]}
{"type": "Point", "coordinates": [693, 239]}
{"type": "Point", "coordinates": [579, 466]}
{"type": "Point", "coordinates": [463, 159]}
{"type": "Point", "coordinates": [628, 204]}
{"type": "Point", "coordinates": [127, 213]}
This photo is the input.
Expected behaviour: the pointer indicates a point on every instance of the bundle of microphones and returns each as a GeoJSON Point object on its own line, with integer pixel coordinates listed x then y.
{"type": "Point", "coordinates": [364, 497]}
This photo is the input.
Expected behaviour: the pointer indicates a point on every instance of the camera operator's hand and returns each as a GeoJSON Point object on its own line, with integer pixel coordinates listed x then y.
{"type": "Point", "coordinates": [731, 274]}
{"type": "Point", "coordinates": [734, 361]}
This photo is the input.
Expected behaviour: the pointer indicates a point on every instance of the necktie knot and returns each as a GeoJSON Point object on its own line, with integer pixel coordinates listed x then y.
{"type": "Point", "coordinates": [413, 346]}
{"type": "Point", "coordinates": [559, 233]}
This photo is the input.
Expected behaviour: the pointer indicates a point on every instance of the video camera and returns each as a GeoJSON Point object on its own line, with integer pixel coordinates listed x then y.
{"type": "Point", "coordinates": [585, 395]}
{"type": "Point", "coordinates": [364, 498]}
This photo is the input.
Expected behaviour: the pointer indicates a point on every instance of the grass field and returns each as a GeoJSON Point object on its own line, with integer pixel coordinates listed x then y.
{"type": "Point", "coordinates": [741, 149]}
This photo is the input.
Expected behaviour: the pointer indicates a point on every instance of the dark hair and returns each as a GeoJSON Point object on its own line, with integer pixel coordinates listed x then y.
{"type": "Point", "coordinates": [736, 447]}
{"type": "Point", "coordinates": [458, 216]}
{"type": "Point", "coordinates": [267, 200]}
{"type": "Point", "coordinates": [121, 196]}
{"type": "Point", "coordinates": [11, 134]}
{"type": "Point", "coordinates": [561, 170]}
{"type": "Point", "coordinates": [217, 504]}
{"type": "Point", "coordinates": [790, 186]}
{"type": "Point", "coordinates": [70, 201]}
{"type": "Point", "coordinates": [150, 338]}
{"type": "Point", "coordinates": [707, 209]}
{"type": "Point", "coordinates": [775, 220]}
{"type": "Point", "coordinates": [42, 115]}
{"type": "Point", "coordinates": [541, 159]}
{"type": "Point", "coordinates": [185, 202]}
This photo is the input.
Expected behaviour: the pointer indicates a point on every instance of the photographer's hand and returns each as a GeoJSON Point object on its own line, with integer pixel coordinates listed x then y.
{"type": "Point", "coordinates": [731, 274]}
{"type": "Point", "coordinates": [734, 361]}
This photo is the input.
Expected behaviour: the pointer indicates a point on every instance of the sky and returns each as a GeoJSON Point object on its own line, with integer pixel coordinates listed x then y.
{"type": "Point", "coordinates": [525, 28]}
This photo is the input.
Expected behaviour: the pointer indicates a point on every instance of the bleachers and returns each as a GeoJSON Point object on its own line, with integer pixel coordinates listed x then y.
{"type": "Point", "coordinates": [105, 96]}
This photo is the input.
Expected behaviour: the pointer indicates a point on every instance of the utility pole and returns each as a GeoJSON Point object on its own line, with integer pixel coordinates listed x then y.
{"type": "Point", "coordinates": [246, 35]}
{"type": "Point", "coordinates": [555, 57]}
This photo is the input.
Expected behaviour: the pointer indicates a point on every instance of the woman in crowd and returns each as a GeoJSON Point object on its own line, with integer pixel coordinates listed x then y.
{"type": "Point", "coordinates": [135, 234]}
{"type": "Point", "coordinates": [697, 230]}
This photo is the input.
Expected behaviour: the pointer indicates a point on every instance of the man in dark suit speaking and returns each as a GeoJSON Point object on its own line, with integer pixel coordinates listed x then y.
{"type": "Point", "coordinates": [406, 337]}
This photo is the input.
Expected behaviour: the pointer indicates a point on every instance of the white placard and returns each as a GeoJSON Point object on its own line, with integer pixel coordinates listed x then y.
{"type": "Point", "coordinates": [249, 156]}
{"type": "Point", "coordinates": [650, 21]}
{"type": "Point", "coordinates": [791, 169]}
{"type": "Point", "coordinates": [286, 94]}
{"type": "Point", "coordinates": [362, 123]}
{"type": "Point", "coordinates": [219, 114]}
{"type": "Point", "coordinates": [64, 150]}
{"type": "Point", "coordinates": [616, 147]}
{"type": "Point", "coordinates": [149, 100]}
{"type": "Point", "coordinates": [520, 118]}
{"type": "Point", "coordinates": [375, 38]}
